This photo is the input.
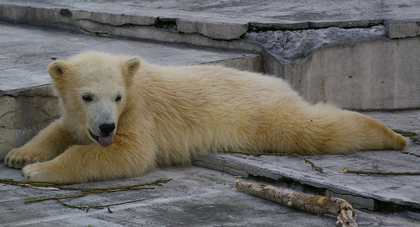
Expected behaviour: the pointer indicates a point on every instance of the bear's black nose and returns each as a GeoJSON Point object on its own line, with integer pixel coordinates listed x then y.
{"type": "Point", "coordinates": [106, 129]}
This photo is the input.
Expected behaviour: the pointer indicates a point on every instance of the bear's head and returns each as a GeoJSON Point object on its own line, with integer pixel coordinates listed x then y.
{"type": "Point", "coordinates": [93, 91]}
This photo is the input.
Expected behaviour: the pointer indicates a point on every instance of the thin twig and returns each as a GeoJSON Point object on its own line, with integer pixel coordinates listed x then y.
{"type": "Point", "coordinates": [410, 153]}
{"type": "Point", "coordinates": [87, 191]}
{"type": "Point", "coordinates": [378, 172]}
{"type": "Point", "coordinates": [319, 169]}
{"type": "Point", "coordinates": [87, 208]}
{"type": "Point", "coordinates": [83, 191]}
{"type": "Point", "coordinates": [57, 186]}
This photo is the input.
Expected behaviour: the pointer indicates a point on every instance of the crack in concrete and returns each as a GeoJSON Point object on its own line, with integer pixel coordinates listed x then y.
{"type": "Point", "coordinates": [161, 24]}
{"type": "Point", "coordinates": [351, 194]}
{"type": "Point", "coordinates": [220, 167]}
{"type": "Point", "coordinates": [29, 96]}
{"type": "Point", "coordinates": [30, 103]}
{"type": "Point", "coordinates": [37, 107]}
{"type": "Point", "coordinates": [34, 126]}
{"type": "Point", "coordinates": [3, 115]}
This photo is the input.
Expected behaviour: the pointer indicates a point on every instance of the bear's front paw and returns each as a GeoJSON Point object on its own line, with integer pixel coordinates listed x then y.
{"type": "Point", "coordinates": [42, 171]}
{"type": "Point", "coordinates": [20, 157]}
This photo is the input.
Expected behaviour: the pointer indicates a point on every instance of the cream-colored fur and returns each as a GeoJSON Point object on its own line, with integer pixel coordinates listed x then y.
{"type": "Point", "coordinates": [166, 115]}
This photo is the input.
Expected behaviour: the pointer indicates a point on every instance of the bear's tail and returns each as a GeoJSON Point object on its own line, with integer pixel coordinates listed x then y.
{"type": "Point", "coordinates": [330, 130]}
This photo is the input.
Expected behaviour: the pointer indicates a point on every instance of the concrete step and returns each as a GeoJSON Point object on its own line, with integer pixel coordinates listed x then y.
{"type": "Point", "coordinates": [26, 99]}
{"type": "Point", "coordinates": [364, 56]}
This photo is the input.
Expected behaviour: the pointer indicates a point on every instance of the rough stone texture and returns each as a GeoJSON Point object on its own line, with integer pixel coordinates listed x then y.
{"type": "Point", "coordinates": [291, 46]}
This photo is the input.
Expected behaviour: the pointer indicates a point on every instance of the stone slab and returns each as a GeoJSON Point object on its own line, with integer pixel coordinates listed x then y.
{"type": "Point", "coordinates": [26, 52]}
{"type": "Point", "coordinates": [270, 11]}
{"type": "Point", "coordinates": [218, 20]}
{"type": "Point", "coordinates": [194, 197]}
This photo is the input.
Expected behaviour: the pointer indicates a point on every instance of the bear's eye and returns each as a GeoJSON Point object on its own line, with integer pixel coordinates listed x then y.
{"type": "Point", "coordinates": [118, 98]}
{"type": "Point", "coordinates": [87, 98]}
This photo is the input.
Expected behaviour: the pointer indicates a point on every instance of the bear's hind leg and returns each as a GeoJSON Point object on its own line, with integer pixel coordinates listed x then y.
{"type": "Point", "coordinates": [337, 131]}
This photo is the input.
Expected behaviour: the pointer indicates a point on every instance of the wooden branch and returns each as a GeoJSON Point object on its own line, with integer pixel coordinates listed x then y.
{"type": "Point", "coordinates": [319, 169]}
{"type": "Point", "coordinates": [378, 172]}
{"type": "Point", "coordinates": [310, 203]}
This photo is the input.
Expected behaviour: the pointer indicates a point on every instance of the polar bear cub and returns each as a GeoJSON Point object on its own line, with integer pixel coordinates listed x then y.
{"type": "Point", "coordinates": [122, 116]}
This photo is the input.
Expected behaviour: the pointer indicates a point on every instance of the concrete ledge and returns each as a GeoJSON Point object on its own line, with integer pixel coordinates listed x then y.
{"type": "Point", "coordinates": [111, 24]}
{"type": "Point", "coordinates": [213, 30]}
{"type": "Point", "coordinates": [354, 64]}
{"type": "Point", "coordinates": [402, 29]}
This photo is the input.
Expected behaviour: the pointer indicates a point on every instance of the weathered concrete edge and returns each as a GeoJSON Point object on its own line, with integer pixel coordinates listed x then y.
{"type": "Point", "coordinates": [357, 198]}
{"type": "Point", "coordinates": [248, 62]}
{"type": "Point", "coordinates": [66, 18]}
{"type": "Point", "coordinates": [181, 31]}
{"type": "Point", "coordinates": [402, 28]}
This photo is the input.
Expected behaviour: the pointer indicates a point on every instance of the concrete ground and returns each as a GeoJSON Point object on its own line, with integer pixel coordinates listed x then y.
{"type": "Point", "coordinates": [206, 32]}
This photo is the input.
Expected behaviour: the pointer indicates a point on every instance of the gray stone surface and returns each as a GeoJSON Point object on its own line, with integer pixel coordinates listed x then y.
{"type": "Point", "coordinates": [318, 13]}
{"type": "Point", "coordinates": [289, 45]}
{"type": "Point", "coordinates": [337, 53]}
{"type": "Point", "coordinates": [308, 44]}
{"type": "Point", "coordinates": [194, 197]}
{"type": "Point", "coordinates": [26, 52]}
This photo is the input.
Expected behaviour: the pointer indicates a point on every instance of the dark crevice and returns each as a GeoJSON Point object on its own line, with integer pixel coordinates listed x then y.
{"type": "Point", "coordinates": [263, 27]}
{"type": "Point", "coordinates": [383, 207]}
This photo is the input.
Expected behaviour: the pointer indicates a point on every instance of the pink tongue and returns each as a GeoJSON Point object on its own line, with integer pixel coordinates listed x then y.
{"type": "Point", "coordinates": [106, 141]}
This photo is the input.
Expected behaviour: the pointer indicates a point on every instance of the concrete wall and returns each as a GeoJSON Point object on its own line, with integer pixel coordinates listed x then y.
{"type": "Point", "coordinates": [23, 114]}
{"type": "Point", "coordinates": [377, 74]}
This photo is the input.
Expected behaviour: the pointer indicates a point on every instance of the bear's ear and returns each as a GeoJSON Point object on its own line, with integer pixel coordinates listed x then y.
{"type": "Point", "coordinates": [57, 69]}
{"type": "Point", "coordinates": [132, 65]}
